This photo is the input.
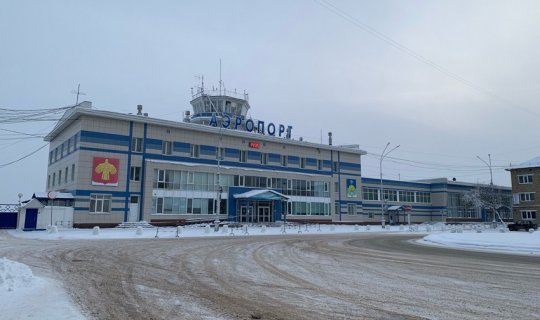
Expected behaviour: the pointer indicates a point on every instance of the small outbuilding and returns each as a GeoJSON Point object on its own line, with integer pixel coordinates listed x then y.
{"type": "Point", "coordinates": [42, 211]}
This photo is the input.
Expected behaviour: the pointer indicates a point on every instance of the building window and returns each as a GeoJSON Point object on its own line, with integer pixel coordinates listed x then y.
{"type": "Point", "coordinates": [66, 175]}
{"type": "Point", "coordinates": [51, 154]}
{"type": "Point", "coordinates": [335, 166]}
{"type": "Point", "coordinates": [528, 215]}
{"type": "Point", "coordinates": [56, 154]}
{"type": "Point", "coordinates": [371, 194]}
{"type": "Point", "coordinates": [526, 196]}
{"type": "Point", "coordinates": [48, 181]}
{"type": "Point", "coordinates": [390, 195]}
{"type": "Point", "coordinates": [69, 146]}
{"type": "Point", "coordinates": [264, 158]}
{"type": "Point", "coordinates": [302, 163]}
{"type": "Point", "coordinates": [194, 151]}
{"type": "Point", "coordinates": [166, 147]}
{"type": "Point", "coordinates": [62, 151]}
{"type": "Point", "coordinates": [283, 160]}
{"type": "Point", "coordinates": [351, 208]}
{"type": "Point", "coordinates": [337, 208]}
{"type": "Point", "coordinates": [100, 203]}
{"type": "Point", "coordinates": [59, 177]}
{"type": "Point", "coordinates": [135, 174]}
{"type": "Point", "coordinates": [73, 172]}
{"type": "Point", "coordinates": [525, 179]}
{"type": "Point", "coordinates": [406, 196]}
{"type": "Point", "coordinates": [53, 179]}
{"type": "Point", "coordinates": [319, 164]}
{"type": "Point", "coordinates": [136, 145]}
{"type": "Point", "coordinates": [423, 197]}
{"type": "Point", "coordinates": [242, 156]}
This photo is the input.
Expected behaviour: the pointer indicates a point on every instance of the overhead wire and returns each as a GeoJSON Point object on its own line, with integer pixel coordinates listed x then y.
{"type": "Point", "coordinates": [401, 47]}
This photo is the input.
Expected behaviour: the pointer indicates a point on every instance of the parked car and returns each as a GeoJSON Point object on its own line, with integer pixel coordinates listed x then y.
{"type": "Point", "coordinates": [522, 224]}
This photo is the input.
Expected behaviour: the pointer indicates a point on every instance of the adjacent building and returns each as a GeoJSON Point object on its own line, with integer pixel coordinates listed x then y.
{"type": "Point", "coordinates": [525, 185]}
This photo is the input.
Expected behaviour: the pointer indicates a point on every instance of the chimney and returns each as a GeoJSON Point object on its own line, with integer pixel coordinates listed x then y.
{"type": "Point", "coordinates": [139, 109]}
{"type": "Point", "coordinates": [329, 138]}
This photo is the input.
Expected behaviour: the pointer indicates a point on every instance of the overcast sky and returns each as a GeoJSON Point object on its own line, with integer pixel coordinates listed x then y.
{"type": "Point", "coordinates": [446, 80]}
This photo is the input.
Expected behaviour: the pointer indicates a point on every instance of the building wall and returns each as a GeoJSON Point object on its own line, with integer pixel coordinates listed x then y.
{"type": "Point", "coordinates": [521, 191]}
{"type": "Point", "coordinates": [99, 136]}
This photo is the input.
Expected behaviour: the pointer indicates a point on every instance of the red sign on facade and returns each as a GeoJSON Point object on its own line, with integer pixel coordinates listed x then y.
{"type": "Point", "coordinates": [254, 145]}
{"type": "Point", "coordinates": [105, 171]}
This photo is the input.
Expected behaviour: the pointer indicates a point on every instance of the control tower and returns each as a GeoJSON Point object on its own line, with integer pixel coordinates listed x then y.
{"type": "Point", "coordinates": [220, 103]}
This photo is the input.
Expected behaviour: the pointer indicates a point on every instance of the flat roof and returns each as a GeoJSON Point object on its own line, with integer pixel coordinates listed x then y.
{"type": "Point", "coordinates": [73, 114]}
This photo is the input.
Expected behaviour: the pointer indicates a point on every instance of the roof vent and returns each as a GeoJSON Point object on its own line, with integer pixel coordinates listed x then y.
{"type": "Point", "coordinates": [139, 109]}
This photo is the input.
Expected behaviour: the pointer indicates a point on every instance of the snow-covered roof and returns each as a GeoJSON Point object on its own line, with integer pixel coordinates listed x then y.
{"type": "Point", "coordinates": [535, 162]}
{"type": "Point", "coordinates": [58, 195]}
{"type": "Point", "coordinates": [261, 194]}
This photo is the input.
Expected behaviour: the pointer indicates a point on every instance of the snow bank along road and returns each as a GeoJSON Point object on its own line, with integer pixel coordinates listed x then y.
{"type": "Point", "coordinates": [346, 276]}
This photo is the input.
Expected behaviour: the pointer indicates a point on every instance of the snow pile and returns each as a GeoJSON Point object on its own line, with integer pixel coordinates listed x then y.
{"type": "Point", "coordinates": [14, 275]}
{"type": "Point", "coordinates": [516, 242]}
{"type": "Point", "coordinates": [24, 295]}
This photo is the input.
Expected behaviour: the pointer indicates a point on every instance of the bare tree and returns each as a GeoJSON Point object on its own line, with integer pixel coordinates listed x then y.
{"type": "Point", "coordinates": [488, 198]}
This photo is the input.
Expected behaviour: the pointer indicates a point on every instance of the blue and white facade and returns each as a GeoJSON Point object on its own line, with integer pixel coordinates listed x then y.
{"type": "Point", "coordinates": [218, 163]}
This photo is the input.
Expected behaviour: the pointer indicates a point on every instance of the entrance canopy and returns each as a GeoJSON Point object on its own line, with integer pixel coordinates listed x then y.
{"type": "Point", "coordinates": [261, 194]}
{"type": "Point", "coordinates": [395, 208]}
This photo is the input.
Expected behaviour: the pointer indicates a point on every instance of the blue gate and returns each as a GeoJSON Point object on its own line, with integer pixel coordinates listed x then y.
{"type": "Point", "coordinates": [30, 222]}
{"type": "Point", "coordinates": [8, 216]}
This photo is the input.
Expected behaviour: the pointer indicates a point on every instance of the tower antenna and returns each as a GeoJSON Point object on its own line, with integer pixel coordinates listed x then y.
{"type": "Point", "coordinates": [220, 83]}
{"type": "Point", "coordinates": [78, 92]}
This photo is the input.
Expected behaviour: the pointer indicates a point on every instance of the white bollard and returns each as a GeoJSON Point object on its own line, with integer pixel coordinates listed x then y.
{"type": "Point", "coordinates": [531, 230]}
{"type": "Point", "coordinates": [367, 227]}
{"type": "Point", "coordinates": [479, 230]}
{"type": "Point", "coordinates": [139, 231]}
{"type": "Point", "coordinates": [332, 228]}
{"type": "Point", "coordinates": [245, 229]}
{"type": "Point", "coordinates": [95, 231]}
{"type": "Point", "coordinates": [207, 229]}
{"type": "Point", "coordinates": [428, 228]}
{"type": "Point", "coordinates": [179, 230]}
{"type": "Point", "coordinates": [400, 227]}
{"type": "Point", "coordinates": [502, 230]}
{"type": "Point", "coordinates": [263, 229]}
{"type": "Point", "coordinates": [225, 229]}
{"type": "Point", "coordinates": [355, 227]}
{"type": "Point", "coordinates": [54, 229]}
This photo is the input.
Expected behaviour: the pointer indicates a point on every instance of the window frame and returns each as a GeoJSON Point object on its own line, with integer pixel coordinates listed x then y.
{"type": "Point", "coordinates": [100, 201]}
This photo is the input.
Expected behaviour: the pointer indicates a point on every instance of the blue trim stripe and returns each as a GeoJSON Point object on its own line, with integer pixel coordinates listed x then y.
{"type": "Point", "coordinates": [182, 147]}
{"type": "Point", "coordinates": [153, 144]}
{"type": "Point", "coordinates": [274, 157]}
{"type": "Point", "coordinates": [254, 155]}
{"type": "Point", "coordinates": [232, 153]}
{"type": "Point", "coordinates": [104, 138]}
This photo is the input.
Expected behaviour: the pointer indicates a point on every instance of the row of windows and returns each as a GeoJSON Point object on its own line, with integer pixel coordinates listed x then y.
{"type": "Point", "coordinates": [55, 180]}
{"type": "Point", "coordinates": [458, 207]}
{"type": "Point", "coordinates": [181, 205]}
{"type": "Point", "coordinates": [308, 208]}
{"type": "Point", "coordinates": [64, 149]}
{"type": "Point", "coordinates": [525, 179]}
{"type": "Point", "coordinates": [528, 214]}
{"type": "Point", "coordinates": [204, 181]}
{"type": "Point", "coordinates": [397, 195]}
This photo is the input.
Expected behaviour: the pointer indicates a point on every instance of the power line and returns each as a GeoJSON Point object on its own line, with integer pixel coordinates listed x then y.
{"type": "Point", "coordinates": [24, 157]}
{"type": "Point", "coordinates": [381, 36]}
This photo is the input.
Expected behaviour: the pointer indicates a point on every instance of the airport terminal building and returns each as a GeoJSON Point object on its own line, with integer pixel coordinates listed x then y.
{"type": "Point", "coordinates": [218, 162]}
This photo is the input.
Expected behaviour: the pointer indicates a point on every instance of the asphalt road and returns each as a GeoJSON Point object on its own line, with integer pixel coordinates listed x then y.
{"type": "Point", "coordinates": [350, 276]}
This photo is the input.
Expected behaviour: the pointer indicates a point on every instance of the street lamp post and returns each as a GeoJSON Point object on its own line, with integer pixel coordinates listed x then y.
{"type": "Point", "coordinates": [490, 183]}
{"type": "Point", "coordinates": [383, 155]}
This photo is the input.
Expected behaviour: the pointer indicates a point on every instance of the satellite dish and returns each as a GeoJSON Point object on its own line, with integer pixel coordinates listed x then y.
{"type": "Point", "coordinates": [51, 195]}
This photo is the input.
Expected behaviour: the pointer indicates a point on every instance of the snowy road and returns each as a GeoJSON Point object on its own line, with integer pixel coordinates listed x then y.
{"type": "Point", "coordinates": [347, 276]}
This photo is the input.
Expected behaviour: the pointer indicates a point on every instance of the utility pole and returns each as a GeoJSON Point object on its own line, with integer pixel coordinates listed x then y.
{"type": "Point", "coordinates": [488, 164]}
{"type": "Point", "coordinates": [383, 155]}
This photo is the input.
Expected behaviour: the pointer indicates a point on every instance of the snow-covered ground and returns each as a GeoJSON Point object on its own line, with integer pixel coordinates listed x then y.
{"type": "Point", "coordinates": [24, 295]}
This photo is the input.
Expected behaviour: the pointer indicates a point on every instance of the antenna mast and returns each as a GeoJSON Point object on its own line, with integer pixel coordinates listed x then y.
{"type": "Point", "coordinates": [220, 83]}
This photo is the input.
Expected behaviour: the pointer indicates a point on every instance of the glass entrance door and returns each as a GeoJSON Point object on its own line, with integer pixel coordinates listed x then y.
{"type": "Point", "coordinates": [264, 215]}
